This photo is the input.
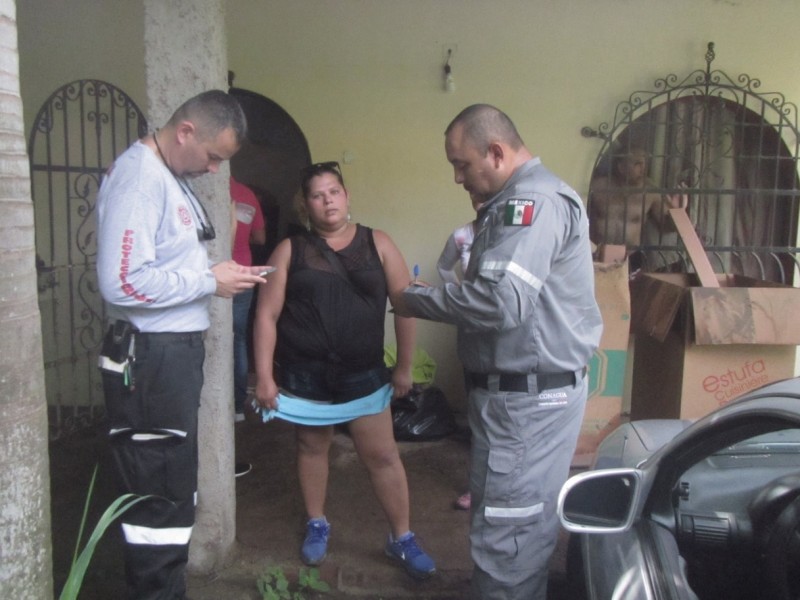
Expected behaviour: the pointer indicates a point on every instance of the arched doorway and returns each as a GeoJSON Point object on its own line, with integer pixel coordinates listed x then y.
{"type": "Point", "coordinates": [270, 162]}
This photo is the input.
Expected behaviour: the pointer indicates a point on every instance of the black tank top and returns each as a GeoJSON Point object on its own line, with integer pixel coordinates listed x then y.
{"type": "Point", "coordinates": [330, 321]}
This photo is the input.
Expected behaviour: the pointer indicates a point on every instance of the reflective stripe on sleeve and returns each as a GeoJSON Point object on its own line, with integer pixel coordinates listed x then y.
{"type": "Point", "coordinates": [514, 269]}
{"type": "Point", "coordinates": [138, 534]}
{"type": "Point", "coordinates": [509, 513]}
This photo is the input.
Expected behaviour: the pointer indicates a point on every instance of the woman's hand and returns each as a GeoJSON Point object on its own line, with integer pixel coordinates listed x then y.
{"type": "Point", "coordinates": [401, 382]}
{"type": "Point", "coordinates": [267, 393]}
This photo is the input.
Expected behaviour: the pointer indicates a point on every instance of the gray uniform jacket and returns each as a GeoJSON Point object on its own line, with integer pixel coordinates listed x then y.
{"type": "Point", "coordinates": [527, 303]}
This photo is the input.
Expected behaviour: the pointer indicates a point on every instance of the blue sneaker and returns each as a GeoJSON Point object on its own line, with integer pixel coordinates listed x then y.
{"type": "Point", "coordinates": [406, 550]}
{"type": "Point", "coordinates": [315, 546]}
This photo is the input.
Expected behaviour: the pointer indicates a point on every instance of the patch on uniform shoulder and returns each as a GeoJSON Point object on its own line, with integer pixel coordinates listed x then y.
{"type": "Point", "coordinates": [519, 212]}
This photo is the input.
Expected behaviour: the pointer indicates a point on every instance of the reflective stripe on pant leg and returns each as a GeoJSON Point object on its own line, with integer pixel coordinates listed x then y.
{"type": "Point", "coordinates": [157, 530]}
{"type": "Point", "coordinates": [521, 451]}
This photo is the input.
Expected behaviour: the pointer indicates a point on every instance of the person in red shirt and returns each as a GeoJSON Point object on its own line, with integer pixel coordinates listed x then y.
{"type": "Point", "coordinates": [250, 229]}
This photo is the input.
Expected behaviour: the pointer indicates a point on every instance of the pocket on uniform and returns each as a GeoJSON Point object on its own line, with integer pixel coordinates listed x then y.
{"type": "Point", "coordinates": [506, 503]}
{"type": "Point", "coordinates": [501, 461]}
{"type": "Point", "coordinates": [159, 463]}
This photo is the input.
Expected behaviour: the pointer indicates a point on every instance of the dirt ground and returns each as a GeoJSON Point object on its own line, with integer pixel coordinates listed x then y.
{"type": "Point", "coordinates": [270, 520]}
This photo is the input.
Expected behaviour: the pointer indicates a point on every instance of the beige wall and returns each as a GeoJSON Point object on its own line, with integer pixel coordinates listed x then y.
{"type": "Point", "coordinates": [65, 40]}
{"type": "Point", "coordinates": [365, 76]}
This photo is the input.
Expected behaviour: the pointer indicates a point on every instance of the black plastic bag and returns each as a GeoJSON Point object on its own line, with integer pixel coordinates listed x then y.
{"type": "Point", "coordinates": [422, 415]}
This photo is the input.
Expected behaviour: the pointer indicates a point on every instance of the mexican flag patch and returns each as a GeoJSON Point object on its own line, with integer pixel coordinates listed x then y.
{"type": "Point", "coordinates": [519, 212]}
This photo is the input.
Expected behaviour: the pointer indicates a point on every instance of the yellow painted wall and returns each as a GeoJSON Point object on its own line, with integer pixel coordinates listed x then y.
{"type": "Point", "coordinates": [365, 76]}
{"type": "Point", "coordinates": [65, 40]}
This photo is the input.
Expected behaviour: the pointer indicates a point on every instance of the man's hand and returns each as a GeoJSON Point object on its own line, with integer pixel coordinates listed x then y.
{"type": "Point", "coordinates": [233, 278]}
{"type": "Point", "coordinates": [679, 200]}
{"type": "Point", "coordinates": [399, 306]}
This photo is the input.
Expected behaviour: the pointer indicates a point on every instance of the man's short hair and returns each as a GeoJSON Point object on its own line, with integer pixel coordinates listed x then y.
{"type": "Point", "coordinates": [211, 112]}
{"type": "Point", "coordinates": [484, 124]}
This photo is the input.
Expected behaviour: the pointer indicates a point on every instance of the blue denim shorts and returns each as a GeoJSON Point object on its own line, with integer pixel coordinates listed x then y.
{"type": "Point", "coordinates": [333, 385]}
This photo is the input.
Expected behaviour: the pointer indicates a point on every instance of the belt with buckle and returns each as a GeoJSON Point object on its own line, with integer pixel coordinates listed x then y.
{"type": "Point", "coordinates": [526, 382]}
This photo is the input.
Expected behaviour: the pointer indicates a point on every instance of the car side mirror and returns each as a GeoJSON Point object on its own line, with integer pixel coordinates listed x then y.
{"type": "Point", "coordinates": [602, 501]}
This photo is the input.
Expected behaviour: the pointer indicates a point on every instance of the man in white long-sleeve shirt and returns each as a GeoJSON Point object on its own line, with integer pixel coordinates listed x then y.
{"type": "Point", "coordinates": [156, 279]}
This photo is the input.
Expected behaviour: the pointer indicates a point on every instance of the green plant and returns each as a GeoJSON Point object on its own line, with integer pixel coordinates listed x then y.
{"type": "Point", "coordinates": [273, 584]}
{"type": "Point", "coordinates": [80, 562]}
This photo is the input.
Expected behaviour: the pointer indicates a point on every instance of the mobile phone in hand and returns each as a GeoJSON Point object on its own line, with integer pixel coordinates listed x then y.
{"type": "Point", "coordinates": [267, 271]}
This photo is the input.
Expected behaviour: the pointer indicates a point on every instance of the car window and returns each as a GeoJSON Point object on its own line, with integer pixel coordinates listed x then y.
{"type": "Point", "coordinates": [784, 441]}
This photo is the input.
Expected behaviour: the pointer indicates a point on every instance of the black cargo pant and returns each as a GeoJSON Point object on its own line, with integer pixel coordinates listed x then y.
{"type": "Point", "coordinates": [153, 438]}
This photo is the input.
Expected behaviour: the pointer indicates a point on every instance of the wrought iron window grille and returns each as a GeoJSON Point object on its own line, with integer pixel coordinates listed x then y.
{"type": "Point", "coordinates": [731, 149]}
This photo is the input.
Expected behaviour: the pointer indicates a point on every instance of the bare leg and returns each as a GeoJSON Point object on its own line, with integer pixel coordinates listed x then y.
{"type": "Point", "coordinates": [312, 466]}
{"type": "Point", "coordinates": [374, 442]}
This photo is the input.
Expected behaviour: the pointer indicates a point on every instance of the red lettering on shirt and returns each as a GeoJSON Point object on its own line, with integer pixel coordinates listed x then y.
{"type": "Point", "coordinates": [184, 215]}
{"type": "Point", "coordinates": [128, 241]}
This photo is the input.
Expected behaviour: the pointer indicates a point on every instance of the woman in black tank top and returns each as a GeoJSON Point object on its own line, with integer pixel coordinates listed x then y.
{"type": "Point", "coordinates": [319, 335]}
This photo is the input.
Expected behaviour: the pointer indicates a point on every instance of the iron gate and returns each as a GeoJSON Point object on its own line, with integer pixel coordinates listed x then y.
{"type": "Point", "coordinates": [77, 133]}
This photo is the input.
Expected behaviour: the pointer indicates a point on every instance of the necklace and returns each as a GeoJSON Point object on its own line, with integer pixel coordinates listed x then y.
{"type": "Point", "coordinates": [206, 231]}
{"type": "Point", "coordinates": [161, 154]}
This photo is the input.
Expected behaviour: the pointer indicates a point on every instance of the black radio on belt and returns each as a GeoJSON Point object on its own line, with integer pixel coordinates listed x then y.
{"type": "Point", "coordinates": [119, 350]}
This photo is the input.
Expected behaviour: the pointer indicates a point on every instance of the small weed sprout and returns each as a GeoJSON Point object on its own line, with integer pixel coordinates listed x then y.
{"type": "Point", "coordinates": [274, 585]}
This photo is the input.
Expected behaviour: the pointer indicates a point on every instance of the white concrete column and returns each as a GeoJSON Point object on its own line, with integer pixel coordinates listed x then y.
{"type": "Point", "coordinates": [185, 54]}
{"type": "Point", "coordinates": [26, 558]}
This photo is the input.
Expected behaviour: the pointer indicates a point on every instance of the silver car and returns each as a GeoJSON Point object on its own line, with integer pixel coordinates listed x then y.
{"type": "Point", "coordinates": [680, 510]}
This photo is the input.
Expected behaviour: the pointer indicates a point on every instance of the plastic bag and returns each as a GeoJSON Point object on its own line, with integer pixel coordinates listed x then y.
{"type": "Point", "coordinates": [423, 367]}
{"type": "Point", "coordinates": [422, 415]}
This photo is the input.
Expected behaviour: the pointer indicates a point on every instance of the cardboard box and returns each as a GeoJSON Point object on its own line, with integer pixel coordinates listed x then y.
{"type": "Point", "coordinates": [607, 367]}
{"type": "Point", "coordinates": [697, 348]}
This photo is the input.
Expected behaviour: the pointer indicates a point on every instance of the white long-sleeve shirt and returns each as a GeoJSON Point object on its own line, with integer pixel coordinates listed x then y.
{"type": "Point", "coordinates": [152, 268]}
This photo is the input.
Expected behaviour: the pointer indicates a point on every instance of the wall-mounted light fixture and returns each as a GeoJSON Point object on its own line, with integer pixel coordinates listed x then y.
{"type": "Point", "coordinates": [449, 84]}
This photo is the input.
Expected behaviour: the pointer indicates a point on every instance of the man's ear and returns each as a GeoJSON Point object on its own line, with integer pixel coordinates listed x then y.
{"type": "Point", "coordinates": [184, 130]}
{"type": "Point", "coordinates": [496, 154]}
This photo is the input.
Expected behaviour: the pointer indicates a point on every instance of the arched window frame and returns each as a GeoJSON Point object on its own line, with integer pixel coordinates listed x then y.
{"type": "Point", "coordinates": [771, 257]}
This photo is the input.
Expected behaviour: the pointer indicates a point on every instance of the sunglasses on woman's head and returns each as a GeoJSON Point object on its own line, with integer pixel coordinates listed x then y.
{"type": "Point", "coordinates": [317, 168]}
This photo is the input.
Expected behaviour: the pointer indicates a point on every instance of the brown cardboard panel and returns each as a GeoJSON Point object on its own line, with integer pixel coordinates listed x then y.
{"type": "Point", "coordinates": [715, 375]}
{"type": "Point", "coordinates": [612, 292]}
{"type": "Point", "coordinates": [655, 300]}
{"type": "Point", "coordinates": [741, 311]}
{"type": "Point", "coordinates": [694, 247]}
{"type": "Point", "coordinates": [675, 380]}
{"type": "Point", "coordinates": [657, 377]}
{"type": "Point", "coordinates": [608, 365]}
{"type": "Point", "coordinates": [746, 315]}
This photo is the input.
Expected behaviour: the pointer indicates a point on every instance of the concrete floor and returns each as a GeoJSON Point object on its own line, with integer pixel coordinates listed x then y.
{"type": "Point", "coordinates": [270, 520]}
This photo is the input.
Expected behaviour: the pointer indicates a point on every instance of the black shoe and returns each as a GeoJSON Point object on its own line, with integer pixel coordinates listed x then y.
{"type": "Point", "coordinates": [242, 468]}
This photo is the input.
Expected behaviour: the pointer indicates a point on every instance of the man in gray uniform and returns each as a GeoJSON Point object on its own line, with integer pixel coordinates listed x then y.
{"type": "Point", "coordinates": [155, 276]}
{"type": "Point", "coordinates": [528, 323]}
